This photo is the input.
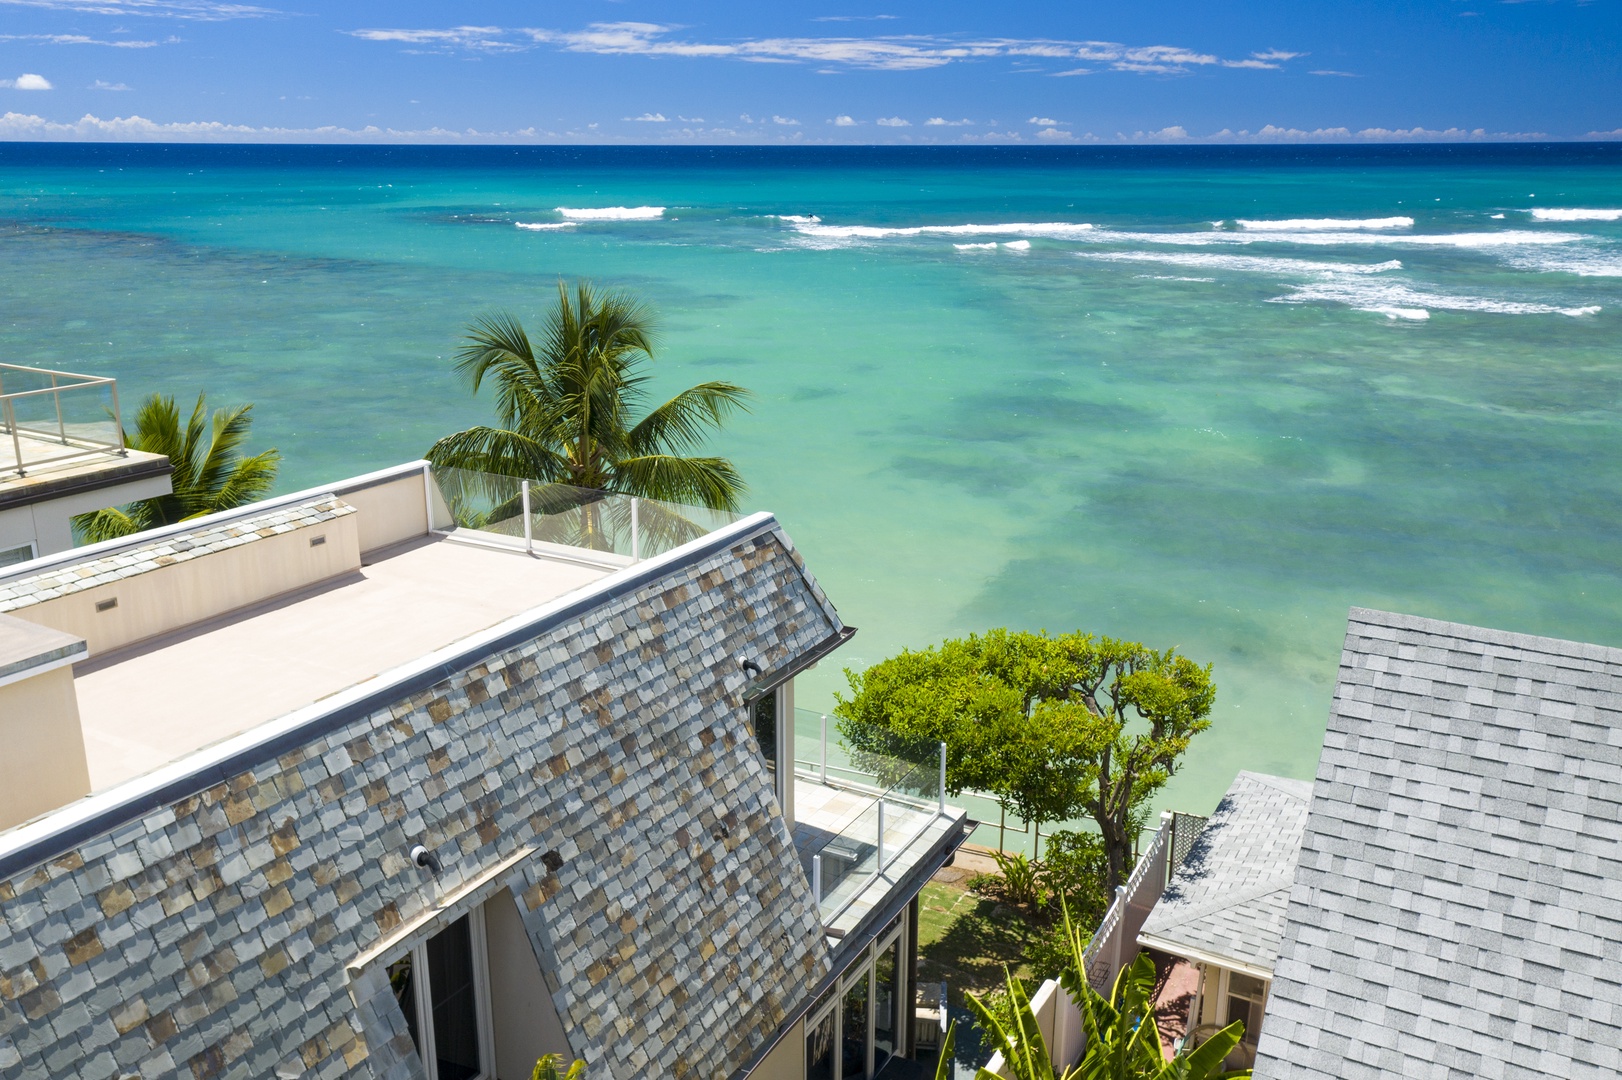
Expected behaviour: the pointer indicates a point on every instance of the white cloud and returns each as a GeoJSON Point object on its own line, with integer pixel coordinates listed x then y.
{"type": "Point", "coordinates": [941, 121]}
{"type": "Point", "coordinates": [26, 82]}
{"type": "Point", "coordinates": [884, 52]}
{"type": "Point", "coordinates": [843, 121]}
{"type": "Point", "coordinates": [1072, 71]}
{"type": "Point", "coordinates": [1042, 121]}
{"type": "Point", "coordinates": [853, 18]}
{"type": "Point", "coordinates": [196, 10]}
{"type": "Point", "coordinates": [1277, 54]}
{"type": "Point", "coordinates": [785, 121]}
{"type": "Point", "coordinates": [1053, 134]}
{"type": "Point", "coordinates": [100, 85]}
{"type": "Point", "coordinates": [893, 121]}
{"type": "Point", "coordinates": [1342, 74]}
{"type": "Point", "coordinates": [648, 118]}
{"type": "Point", "coordinates": [81, 39]}
{"type": "Point", "coordinates": [1263, 65]}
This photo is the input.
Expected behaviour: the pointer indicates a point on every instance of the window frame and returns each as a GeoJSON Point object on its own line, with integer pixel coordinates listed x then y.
{"type": "Point", "coordinates": [860, 967]}
{"type": "Point", "coordinates": [29, 546]}
{"type": "Point", "coordinates": [423, 993]}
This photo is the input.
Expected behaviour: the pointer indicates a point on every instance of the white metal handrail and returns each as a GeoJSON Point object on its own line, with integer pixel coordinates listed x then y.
{"type": "Point", "coordinates": [80, 444]}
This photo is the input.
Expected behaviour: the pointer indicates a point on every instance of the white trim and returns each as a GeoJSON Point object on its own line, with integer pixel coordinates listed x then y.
{"type": "Point", "coordinates": [91, 806]}
{"type": "Point", "coordinates": [1200, 956]}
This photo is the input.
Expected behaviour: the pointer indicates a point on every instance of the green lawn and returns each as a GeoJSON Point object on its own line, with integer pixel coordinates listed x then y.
{"type": "Point", "coordinates": [967, 939]}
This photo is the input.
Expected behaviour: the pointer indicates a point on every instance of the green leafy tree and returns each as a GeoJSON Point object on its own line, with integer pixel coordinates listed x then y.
{"type": "Point", "coordinates": [210, 471]}
{"type": "Point", "coordinates": [1056, 727]}
{"type": "Point", "coordinates": [570, 409]}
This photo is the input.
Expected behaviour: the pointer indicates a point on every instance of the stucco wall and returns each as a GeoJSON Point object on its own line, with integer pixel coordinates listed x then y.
{"type": "Point", "coordinates": [39, 723]}
{"type": "Point", "coordinates": [666, 906]}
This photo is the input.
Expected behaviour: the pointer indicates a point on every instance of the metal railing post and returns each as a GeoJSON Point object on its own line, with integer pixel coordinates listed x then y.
{"type": "Point", "coordinates": [428, 497]}
{"type": "Point", "coordinates": [942, 788]}
{"type": "Point", "coordinates": [529, 525]}
{"type": "Point", "coordinates": [880, 869]}
{"type": "Point", "coordinates": [16, 441]}
{"type": "Point", "coordinates": [118, 420]}
{"type": "Point", "coordinates": [636, 531]}
{"type": "Point", "coordinates": [56, 396]}
{"type": "Point", "coordinates": [816, 881]}
{"type": "Point", "coordinates": [824, 748]}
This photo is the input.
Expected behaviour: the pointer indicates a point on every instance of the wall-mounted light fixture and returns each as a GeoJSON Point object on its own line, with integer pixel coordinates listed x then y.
{"type": "Point", "coordinates": [749, 666]}
{"type": "Point", "coordinates": [425, 859]}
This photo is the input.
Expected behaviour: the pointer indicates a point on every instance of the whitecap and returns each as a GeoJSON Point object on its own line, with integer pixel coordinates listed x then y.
{"type": "Point", "coordinates": [990, 246]}
{"type": "Point", "coordinates": [1056, 230]}
{"type": "Point", "coordinates": [1546, 214]}
{"type": "Point", "coordinates": [1583, 262]}
{"type": "Point", "coordinates": [1394, 299]}
{"type": "Point", "coordinates": [1171, 277]}
{"type": "Point", "coordinates": [1496, 217]}
{"type": "Point", "coordinates": [542, 226]}
{"type": "Point", "coordinates": [1504, 238]}
{"type": "Point", "coordinates": [1318, 224]}
{"type": "Point", "coordinates": [1260, 264]}
{"type": "Point", "coordinates": [1018, 245]}
{"type": "Point", "coordinates": [798, 219]}
{"type": "Point", "coordinates": [612, 213]}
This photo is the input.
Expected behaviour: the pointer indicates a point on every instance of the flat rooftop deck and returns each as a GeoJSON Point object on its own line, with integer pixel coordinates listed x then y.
{"type": "Point", "coordinates": [148, 705]}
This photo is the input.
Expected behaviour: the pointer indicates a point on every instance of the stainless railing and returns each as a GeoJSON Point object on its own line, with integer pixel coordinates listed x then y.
{"type": "Point", "coordinates": [38, 428]}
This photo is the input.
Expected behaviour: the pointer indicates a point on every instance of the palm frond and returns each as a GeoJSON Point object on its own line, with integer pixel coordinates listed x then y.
{"type": "Point", "coordinates": [710, 482]}
{"type": "Point", "coordinates": [499, 451]}
{"type": "Point", "coordinates": [682, 422]}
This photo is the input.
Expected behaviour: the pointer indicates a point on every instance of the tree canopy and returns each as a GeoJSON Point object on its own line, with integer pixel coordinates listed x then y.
{"type": "Point", "coordinates": [1056, 727]}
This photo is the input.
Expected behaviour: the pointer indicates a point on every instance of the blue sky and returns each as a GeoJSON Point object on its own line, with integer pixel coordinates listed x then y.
{"type": "Point", "coordinates": [648, 71]}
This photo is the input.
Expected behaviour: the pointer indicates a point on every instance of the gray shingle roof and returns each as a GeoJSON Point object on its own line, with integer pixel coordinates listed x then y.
{"type": "Point", "coordinates": [1457, 911]}
{"type": "Point", "coordinates": [1228, 898]}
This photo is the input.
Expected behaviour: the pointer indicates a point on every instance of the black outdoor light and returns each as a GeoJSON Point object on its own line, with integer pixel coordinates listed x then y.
{"type": "Point", "coordinates": [749, 666]}
{"type": "Point", "coordinates": [425, 859]}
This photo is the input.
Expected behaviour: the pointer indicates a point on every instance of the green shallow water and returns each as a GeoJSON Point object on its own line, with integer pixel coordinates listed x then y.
{"type": "Point", "coordinates": [1146, 445]}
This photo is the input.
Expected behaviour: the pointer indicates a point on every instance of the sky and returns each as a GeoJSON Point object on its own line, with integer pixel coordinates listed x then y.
{"type": "Point", "coordinates": [817, 72]}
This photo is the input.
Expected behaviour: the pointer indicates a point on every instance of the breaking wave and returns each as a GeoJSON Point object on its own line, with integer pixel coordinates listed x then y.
{"type": "Point", "coordinates": [1053, 230]}
{"type": "Point", "coordinates": [1320, 224]}
{"type": "Point", "coordinates": [612, 213]}
{"type": "Point", "coordinates": [1581, 262]}
{"type": "Point", "coordinates": [1542, 214]}
{"type": "Point", "coordinates": [1395, 300]}
{"type": "Point", "coordinates": [542, 226]}
{"type": "Point", "coordinates": [1259, 264]}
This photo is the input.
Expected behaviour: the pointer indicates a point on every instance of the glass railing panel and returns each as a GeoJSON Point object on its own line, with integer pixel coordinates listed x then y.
{"type": "Point", "coordinates": [483, 501]}
{"type": "Point", "coordinates": [848, 862]}
{"type": "Point", "coordinates": [50, 416]}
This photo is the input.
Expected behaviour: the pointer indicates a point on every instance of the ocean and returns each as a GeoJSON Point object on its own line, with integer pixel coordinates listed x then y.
{"type": "Point", "coordinates": [1199, 397]}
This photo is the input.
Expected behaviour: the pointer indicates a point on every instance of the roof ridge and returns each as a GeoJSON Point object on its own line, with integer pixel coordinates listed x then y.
{"type": "Point", "coordinates": [1483, 635]}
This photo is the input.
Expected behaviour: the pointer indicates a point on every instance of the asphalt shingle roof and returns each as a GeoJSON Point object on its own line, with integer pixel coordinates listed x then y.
{"type": "Point", "coordinates": [1228, 898]}
{"type": "Point", "coordinates": [1457, 910]}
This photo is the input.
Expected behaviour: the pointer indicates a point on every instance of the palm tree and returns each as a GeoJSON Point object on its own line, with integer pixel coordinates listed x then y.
{"type": "Point", "coordinates": [209, 474]}
{"type": "Point", "coordinates": [567, 417]}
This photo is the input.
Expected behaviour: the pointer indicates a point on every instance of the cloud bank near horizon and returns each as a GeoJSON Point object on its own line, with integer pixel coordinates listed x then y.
{"type": "Point", "coordinates": [18, 126]}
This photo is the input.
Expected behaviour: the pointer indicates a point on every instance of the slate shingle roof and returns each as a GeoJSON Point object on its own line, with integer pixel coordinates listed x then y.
{"type": "Point", "coordinates": [1228, 898]}
{"type": "Point", "coordinates": [1457, 910]}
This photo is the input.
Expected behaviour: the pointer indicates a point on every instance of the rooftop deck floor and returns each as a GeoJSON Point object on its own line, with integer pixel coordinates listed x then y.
{"type": "Point", "coordinates": [152, 703]}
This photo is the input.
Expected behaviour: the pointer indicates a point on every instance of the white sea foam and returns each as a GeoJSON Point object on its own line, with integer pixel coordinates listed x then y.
{"type": "Point", "coordinates": [542, 226]}
{"type": "Point", "coordinates": [1171, 277]}
{"type": "Point", "coordinates": [1496, 217]}
{"type": "Point", "coordinates": [1319, 224]}
{"type": "Point", "coordinates": [1545, 214]}
{"type": "Point", "coordinates": [988, 246]}
{"type": "Point", "coordinates": [1258, 264]}
{"type": "Point", "coordinates": [1583, 261]}
{"type": "Point", "coordinates": [1018, 245]}
{"type": "Point", "coordinates": [1055, 230]}
{"type": "Point", "coordinates": [798, 219]}
{"type": "Point", "coordinates": [1478, 240]}
{"type": "Point", "coordinates": [612, 213]}
{"type": "Point", "coordinates": [1396, 300]}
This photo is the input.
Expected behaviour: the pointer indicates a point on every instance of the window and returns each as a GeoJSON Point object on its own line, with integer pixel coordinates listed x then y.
{"type": "Point", "coordinates": [763, 722]}
{"type": "Point", "coordinates": [15, 555]}
{"type": "Point", "coordinates": [1246, 995]}
{"type": "Point", "coordinates": [441, 989]}
{"type": "Point", "coordinates": [855, 1029]}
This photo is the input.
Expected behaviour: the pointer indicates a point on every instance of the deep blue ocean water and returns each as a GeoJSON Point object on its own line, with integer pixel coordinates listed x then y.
{"type": "Point", "coordinates": [1203, 397]}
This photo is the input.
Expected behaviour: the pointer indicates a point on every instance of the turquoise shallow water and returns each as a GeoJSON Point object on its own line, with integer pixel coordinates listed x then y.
{"type": "Point", "coordinates": [1218, 437]}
